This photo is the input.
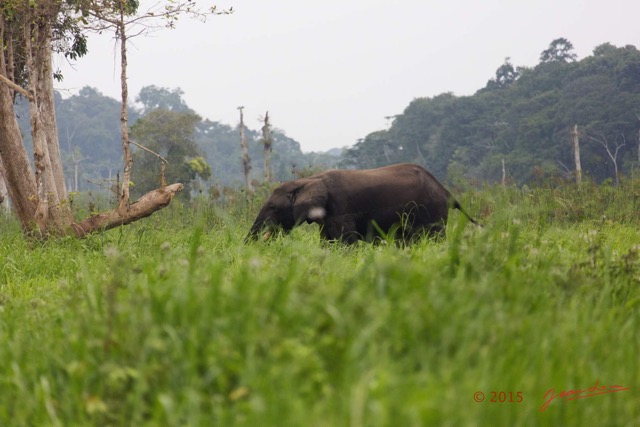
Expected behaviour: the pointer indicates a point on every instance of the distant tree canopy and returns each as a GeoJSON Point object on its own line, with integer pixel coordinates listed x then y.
{"type": "Point", "coordinates": [154, 98]}
{"type": "Point", "coordinates": [560, 50]}
{"type": "Point", "coordinates": [171, 135]}
{"type": "Point", "coordinates": [524, 116]}
{"type": "Point", "coordinates": [90, 143]}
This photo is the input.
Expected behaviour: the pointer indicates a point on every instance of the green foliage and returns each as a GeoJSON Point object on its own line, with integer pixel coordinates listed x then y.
{"type": "Point", "coordinates": [57, 17]}
{"type": "Point", "coordinates": [506, 74]}
{"type": "Point", "coordinates": [156, 98]}
{"type": "Point", "coordinates": [174, 321]}
{"type": "Point", "coordinates": [524, 116]}
{"type": "Point", "coordinates": [169, 134]}
{"type": "Point", "coordinates": [560, 50]}
{"type": "Point", "coordinates": [69, 38]}
{"type": "Point", "coordinates": [200, 167]}
{"type": "Point", "coordinates": [88, 129]}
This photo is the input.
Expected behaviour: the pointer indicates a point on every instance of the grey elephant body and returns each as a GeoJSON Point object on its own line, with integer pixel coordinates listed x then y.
{"type": "Point", "coordinates": [353, 205]}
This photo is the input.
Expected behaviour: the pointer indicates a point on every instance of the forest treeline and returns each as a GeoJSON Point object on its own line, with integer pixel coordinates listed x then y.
{"type": "Point", "coordinates": [518, 129]}
{"type": "Point", "coordinates": [524, 117]}
{"type": "Point", "coordinates": [90, 142]}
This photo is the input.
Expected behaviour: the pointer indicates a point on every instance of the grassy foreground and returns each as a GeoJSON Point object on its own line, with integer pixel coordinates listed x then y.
{"type": "Point", "coordinates": [174, 321]}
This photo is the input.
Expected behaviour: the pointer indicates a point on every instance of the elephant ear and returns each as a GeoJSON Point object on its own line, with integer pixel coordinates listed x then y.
{"type": "Point", "coordinates": [310, 202]}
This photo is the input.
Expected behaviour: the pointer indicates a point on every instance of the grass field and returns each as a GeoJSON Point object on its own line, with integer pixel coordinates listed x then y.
{"type": "Point", "coordinates": [175, 321]}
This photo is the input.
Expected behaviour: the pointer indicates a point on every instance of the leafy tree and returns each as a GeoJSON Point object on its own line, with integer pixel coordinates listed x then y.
{"type": "Point", "coordinates": [506, 74]}
{"type": "Point", "coordinates": [198, 170]}
{"type": "Point", "coordinates": [171, 136]}
{"type": "Point", "coordinates": [370, 152]}
{"type": "Point", "coordinates": [154, 98]}
{"type": "Point", "coordinates": [560, 50]}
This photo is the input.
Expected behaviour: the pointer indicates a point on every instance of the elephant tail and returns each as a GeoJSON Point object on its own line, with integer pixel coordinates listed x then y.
{"type": "Point", "coordinates": [456, 205]}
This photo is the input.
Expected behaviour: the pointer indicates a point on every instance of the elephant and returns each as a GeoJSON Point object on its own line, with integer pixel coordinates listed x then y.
{"type": "Point", "coordinates": [352, 205]}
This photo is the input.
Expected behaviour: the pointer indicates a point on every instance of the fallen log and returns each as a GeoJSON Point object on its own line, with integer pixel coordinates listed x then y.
{"type": "Point", "coordinates": [145, 206]}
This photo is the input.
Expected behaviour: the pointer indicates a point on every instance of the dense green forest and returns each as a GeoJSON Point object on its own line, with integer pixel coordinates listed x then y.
{"type": "Point", "coordinates": [517, 129]}
{"type": "Point", "coordinates": [89, 133]}
{"type": "Point", "coordinates": [524, 116]}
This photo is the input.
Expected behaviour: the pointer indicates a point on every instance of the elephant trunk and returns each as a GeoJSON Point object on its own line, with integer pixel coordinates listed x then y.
{"type": "Point", "coordinates": [259, 226]}
{"type": "Point", "coordinates": [253, 232]}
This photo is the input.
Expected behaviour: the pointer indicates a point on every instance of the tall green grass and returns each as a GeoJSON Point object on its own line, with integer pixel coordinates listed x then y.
{"type": "Point", "coordinates": [175, 321]}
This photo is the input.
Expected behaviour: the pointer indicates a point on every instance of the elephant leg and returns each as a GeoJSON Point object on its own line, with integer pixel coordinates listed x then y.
{"type": "Point", "coordinates": [433, 231]}
{"type": "Point", "coordinates": [340, 229]}
{"type": "Point", "coordinates": [430, 223]}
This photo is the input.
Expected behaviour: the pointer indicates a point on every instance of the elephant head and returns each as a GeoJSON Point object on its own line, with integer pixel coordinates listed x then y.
{"type": "Point", "coordinates": [292, 203]}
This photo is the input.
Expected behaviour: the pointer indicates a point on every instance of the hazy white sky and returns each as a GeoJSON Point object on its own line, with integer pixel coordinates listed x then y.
{"type": "Point", "coordinates": [330, 71]}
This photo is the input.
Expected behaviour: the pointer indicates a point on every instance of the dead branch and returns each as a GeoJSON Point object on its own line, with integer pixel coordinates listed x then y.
{"type": "Point", "coordinates": [149, 151]}
{"type": "Point", "coordinates": [163, 162]}
{"type": "Point", "coordinates": [576, 153]}
{"type": "Point", "coordinates": [267, 142]}
{"type": "Point", "coordinates": [15, 87]}
{"type": "Point", "coordinates": [246, 160]}
{"type": "Point", "coordinates": [155, 18]}
{"type": "Point", "coordinates": [567, 170]}
{"type": "Point", "coordinates": [612, 155]}
{"type": "Point", "coordinates": [142, 208]}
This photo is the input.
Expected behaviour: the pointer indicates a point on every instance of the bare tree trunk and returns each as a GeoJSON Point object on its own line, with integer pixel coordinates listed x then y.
{"type": "Point", "coordinates": [3, 187]}
{"type": "Point", "coordinates": [47, 103]}
{"type": "Point", "coordinates": [638, 116]}
{"type": "Point", "coordinates": [18, 174]}
{"type": "Point", "coordinates": [37, 129]}
{"type": "Point", "coordinates": [267, 140]}
{"type": "Point", "coordinates": [75, 176]}
{"type": "Point", "coordinates": [108, 189]}
{"type": "Point", "coordinates": [504, 174]}
{"type": "Point", "coordinates": [386, 153]}
{"type": "Point", "coordinates": [124, 118]}
{"type": "Point", "coordinates": [246, 160]}
{"type": "Point", "coordinates": [59, 209]}
{"type": "Point", "coordinates": [613, 155]}
{"type": "Point", "coordinates": [576, 154]}
{"type": "Point", "coordinates": [51, 214]}
{"type": "Point", "coordinates": [423, 161]}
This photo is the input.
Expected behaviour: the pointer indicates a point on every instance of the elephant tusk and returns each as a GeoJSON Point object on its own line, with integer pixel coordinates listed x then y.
{"type": "Point", "coordinates": [266, 235]}
{"type": "Point", "coordinates": [317, 213]}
